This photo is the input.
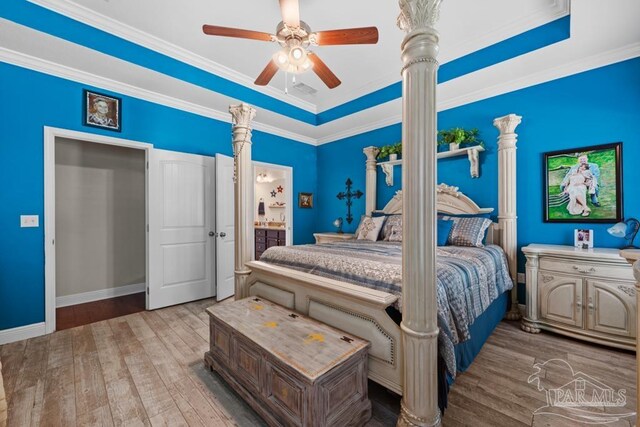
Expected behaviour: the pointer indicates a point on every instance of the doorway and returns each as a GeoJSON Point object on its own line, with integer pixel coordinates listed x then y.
{"type": "Point", "coordinates": [95, 228]}
{"type": "Point", "coordinates": [178, 227]}
{"type": "Point", "coordinates": [273, 207]}
{"type": "Point", "coordinates": [100, 227]}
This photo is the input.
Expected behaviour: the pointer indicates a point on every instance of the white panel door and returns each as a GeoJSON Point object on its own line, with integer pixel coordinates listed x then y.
{"type": "Point", "coordinates": [181, 219]}
{"type": "Point", "coordinates": [224, 227]}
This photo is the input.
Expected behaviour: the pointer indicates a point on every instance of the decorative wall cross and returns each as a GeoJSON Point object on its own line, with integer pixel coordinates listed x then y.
{"type": "Point", "coordinates": [349, 196]}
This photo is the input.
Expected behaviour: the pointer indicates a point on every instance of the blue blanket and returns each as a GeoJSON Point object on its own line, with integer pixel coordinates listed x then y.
{"type": "Point", "coordinates": [468, 279]}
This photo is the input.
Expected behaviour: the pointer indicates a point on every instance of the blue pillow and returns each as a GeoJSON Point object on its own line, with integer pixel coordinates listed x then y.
{"type": "Point", "coordinates": [444, 228]}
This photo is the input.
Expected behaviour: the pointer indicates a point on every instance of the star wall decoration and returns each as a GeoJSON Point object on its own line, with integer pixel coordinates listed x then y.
{"type": "Point", "coordinates": [273, 193]}
{"type": "Point", "coordinates": [280, 188]}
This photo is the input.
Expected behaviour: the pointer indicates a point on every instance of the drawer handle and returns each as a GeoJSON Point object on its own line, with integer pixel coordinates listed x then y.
{"type": "Point", "coordinates": [584, 270]}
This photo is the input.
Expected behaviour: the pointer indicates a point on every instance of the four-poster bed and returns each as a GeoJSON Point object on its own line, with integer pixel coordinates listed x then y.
{"type": "Point", "coordinates": [403, 358]}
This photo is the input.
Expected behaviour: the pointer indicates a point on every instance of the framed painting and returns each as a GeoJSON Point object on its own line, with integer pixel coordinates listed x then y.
{"type": "Point", "coordinates": [102, 111]}
{"type": "Point", "coordinates": [305, 200]}
{"type": "Point", "coordinates": [583, 184]}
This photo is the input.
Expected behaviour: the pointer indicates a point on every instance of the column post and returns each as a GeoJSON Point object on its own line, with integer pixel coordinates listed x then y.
{"type": "Point", "coordinates": [372, 178]}
{"type": "Point", "coordinates": [507, 217]}
{"type": "Point", "coordinates": [241, 115]}
{"type": "Point", "coordinates": [419, 178]}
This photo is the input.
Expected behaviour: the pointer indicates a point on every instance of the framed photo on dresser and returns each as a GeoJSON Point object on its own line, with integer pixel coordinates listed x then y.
{"type": "Point", "coordinates": [583, 184]}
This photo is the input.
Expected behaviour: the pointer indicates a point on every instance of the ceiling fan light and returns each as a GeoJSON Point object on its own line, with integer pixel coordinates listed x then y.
{"type": "Point", "coordinates": [297, 56]}
{"type": "Point", "coordinates": [296, 53]}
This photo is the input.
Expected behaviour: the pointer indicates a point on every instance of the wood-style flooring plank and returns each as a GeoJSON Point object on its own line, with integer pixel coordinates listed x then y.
{"type": "Point", "coordinates": [153, 393]}
{"type": "Point", "coordinates": [60, 349]}
{"type": "Point", "coordinates": [13, 356]}
{"type": "Point", "coordinates": [59, 407]}
{"type": "Point", "coordinates": [92, 404]}
{"type": "Point", "coordinates": [34, 362]}
{"type": "Point", "coordinates": [146, 369]}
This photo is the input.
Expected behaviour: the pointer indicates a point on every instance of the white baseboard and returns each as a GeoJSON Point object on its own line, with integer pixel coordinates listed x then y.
{"type": "Point", "coordinates": [22, 333]}
{"type": "Point", "coordinates": [99, 295]}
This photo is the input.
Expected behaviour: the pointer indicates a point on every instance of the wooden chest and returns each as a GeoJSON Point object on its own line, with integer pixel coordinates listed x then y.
{"type": "Point", "coordinates": [292, 370]}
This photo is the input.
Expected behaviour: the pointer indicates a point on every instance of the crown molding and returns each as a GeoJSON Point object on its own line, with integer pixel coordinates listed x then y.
{"type": "Point", "coordinates": [581, 65]}
{"type": "Point", "coordinates": [392, 120]}
{"type": "Point", "coordinates": [575, 67]}
{"type": "Point", "coordinates": [559, 9]}
{"type": "Point", "coordinates": [87, 16]}
{"type": "Point", "coordinates": [51, 68]}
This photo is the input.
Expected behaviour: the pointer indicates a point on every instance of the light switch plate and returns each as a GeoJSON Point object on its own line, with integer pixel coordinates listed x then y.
{"type": "Point", "coordinates": [29, 221]}
{"type": "Point", "coordinates": [522, 278]}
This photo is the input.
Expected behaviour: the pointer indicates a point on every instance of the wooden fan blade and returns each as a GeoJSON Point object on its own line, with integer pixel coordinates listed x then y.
{"type": "Point", "coordinates": [325, 74]}
{"type": "Point", "coordinates": [290, 12]}
{"type": "Point", "coordinates": [267, 74]}
{"type": "Point", "coordinates": [214, 30]}
{"type": "Point", "coordinates": [364, 35]}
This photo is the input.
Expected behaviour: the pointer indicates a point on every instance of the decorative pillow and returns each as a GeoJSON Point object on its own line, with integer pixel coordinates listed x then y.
{"type": "Point", "coordinates": [444, 229]}
{"type": "Point", "coordinates": [395, 235]}
{"type": "Point", "coordinates": [468, 231]}
{"type": "Point", "coordinates": [362, 217]}
{"type": "Point", "coordinates": [369, 228]}
{"type": "Point", "coordinates": [392, 221]}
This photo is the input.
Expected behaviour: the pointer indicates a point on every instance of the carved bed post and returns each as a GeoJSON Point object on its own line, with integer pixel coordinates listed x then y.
{"type": "Point", "coordinates": [242, 114]}
{"type": "Point", "coordinates": [419, 314]}
{"type": "Point", "coordinates": [507, 217]}
{"type": "Point", "coordinates": [372, 176]}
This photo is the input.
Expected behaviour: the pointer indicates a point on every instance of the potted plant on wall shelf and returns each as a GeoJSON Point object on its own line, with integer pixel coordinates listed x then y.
{"type": "Point", "coordinates": [391, 151]}
{"type": "Point", "coordinates": [457, 137]}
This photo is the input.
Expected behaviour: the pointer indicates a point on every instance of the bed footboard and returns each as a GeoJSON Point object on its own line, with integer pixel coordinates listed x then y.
{"type": "Point", "coordinates": [357, 310]}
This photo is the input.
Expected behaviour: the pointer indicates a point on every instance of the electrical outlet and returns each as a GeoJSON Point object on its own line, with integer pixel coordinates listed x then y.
{"type": "Point", "coordinates": [522, 278]}
{"type": "Point", "coordinates": [29, 221]}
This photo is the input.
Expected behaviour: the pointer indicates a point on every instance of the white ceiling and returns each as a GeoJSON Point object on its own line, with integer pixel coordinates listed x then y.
{"type": "Point", "coordinates": [601, 34]}
{"type": "Point", "coordinates": [176, 28]}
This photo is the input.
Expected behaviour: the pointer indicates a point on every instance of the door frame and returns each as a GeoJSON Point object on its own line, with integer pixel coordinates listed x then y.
{"type": "Point", "coordinates": [50, 135]}
{"type": "Point", "coordinates": [288, 179]}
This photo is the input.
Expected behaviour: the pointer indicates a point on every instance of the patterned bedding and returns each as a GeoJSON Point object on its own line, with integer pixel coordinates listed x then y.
{"type": "Point", "coordinates": [469, 279]}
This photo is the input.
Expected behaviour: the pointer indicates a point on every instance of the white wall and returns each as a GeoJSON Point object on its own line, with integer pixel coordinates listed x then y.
{"type": "Point", "coordinates": [263, 190]}
{"type": "Point", "coordinates": [100, 217]}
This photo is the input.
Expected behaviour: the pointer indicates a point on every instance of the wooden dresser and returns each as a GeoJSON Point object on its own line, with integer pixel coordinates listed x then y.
{"type": "Point", "coordinates": [267, 237]}
{"type": "Point", "coordinates": [292, 370]}
{"type": "Point", "coordinates": [587, 294]}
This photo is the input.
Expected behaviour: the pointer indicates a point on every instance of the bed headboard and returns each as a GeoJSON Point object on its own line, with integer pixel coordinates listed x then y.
{"type": "Point", "coordinates": [450, 200]}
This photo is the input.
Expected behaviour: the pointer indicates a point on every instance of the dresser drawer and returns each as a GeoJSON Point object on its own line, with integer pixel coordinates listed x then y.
{"type": "Point", "coordinates": [261, 247]}
{"type": "Point", "coordinates": [588, 269]}
{"type": "Point", "coordinates": [261, 233]}
{"type": "Point", "coordinates": [261, 239]}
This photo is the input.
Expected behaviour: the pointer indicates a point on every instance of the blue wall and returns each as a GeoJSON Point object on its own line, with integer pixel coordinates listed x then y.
{"type": "Point", "coordinates": [31, 100]}
{"type": "Point", "coordinates": [589, 108]}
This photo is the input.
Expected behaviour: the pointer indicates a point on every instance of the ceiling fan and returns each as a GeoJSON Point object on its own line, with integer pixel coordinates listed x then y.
{"type": "Point", "coordinates": [295, 37]}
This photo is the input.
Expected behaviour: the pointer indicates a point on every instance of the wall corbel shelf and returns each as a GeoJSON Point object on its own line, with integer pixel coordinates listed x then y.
{"type": "Point", "coordinates": [472, 153]}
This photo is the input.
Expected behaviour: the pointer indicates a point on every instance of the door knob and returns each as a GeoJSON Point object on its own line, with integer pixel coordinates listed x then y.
{"type": "Point", "coordinates": [223, 234]}
{"type": "Point", "coordinates": [211, 234]}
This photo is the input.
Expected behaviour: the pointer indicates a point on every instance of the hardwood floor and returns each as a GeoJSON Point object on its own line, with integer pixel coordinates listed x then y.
{"type": "Point", "coordinates": [146, 369]}
{"type": "Point", "coordinates": [95, 311]}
